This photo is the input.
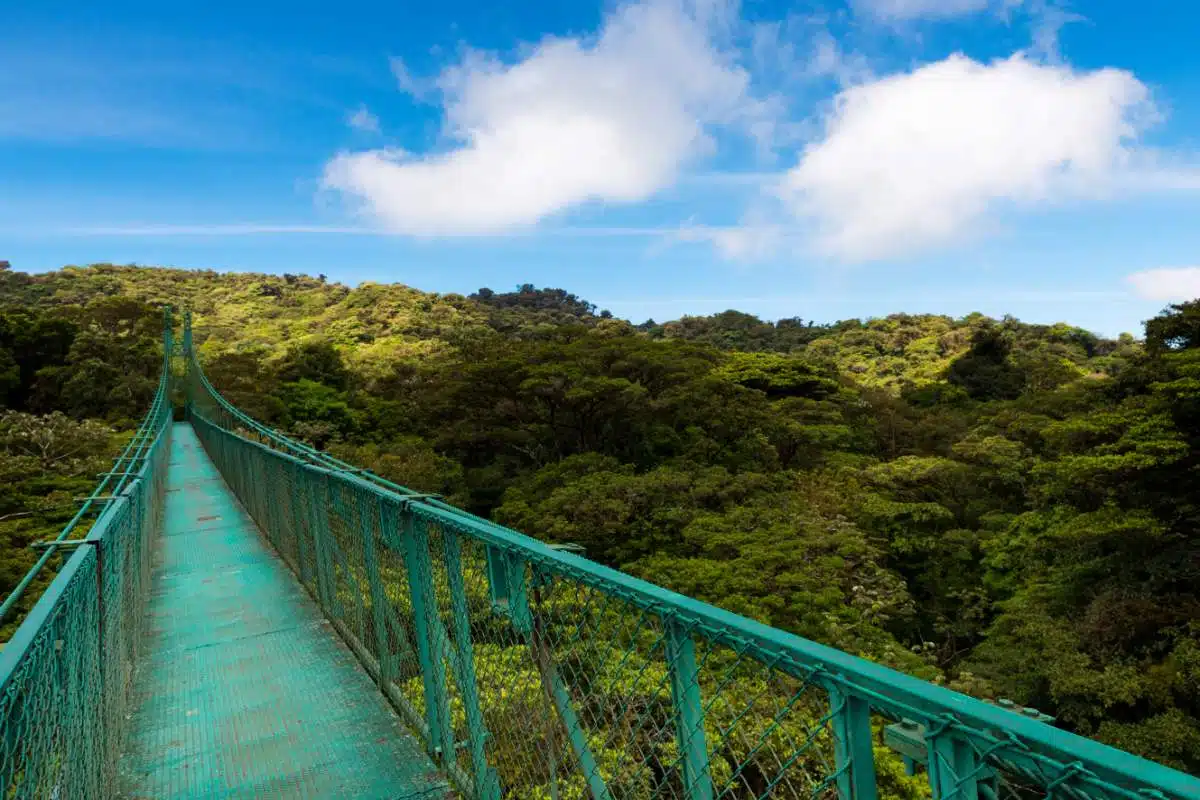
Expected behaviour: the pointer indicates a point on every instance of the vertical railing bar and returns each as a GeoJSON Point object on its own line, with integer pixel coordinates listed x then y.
{"type": "Point", "coordinates": [525, 623]}
{"type": "Point", "coordinates": [320, 532]}
{"type": "Point", "coordinates": [302, 524]}
{"type": "Point", "coordinates": [487, 782]}
{"type": "Point", "coordinates": [337, 505]}
{"type": "Point", "coordinates": [433, 673]}
{"type": "Point", "coordinates": [100, 660]}
{"type": "Point", "coordinates": [953, 765]}
{"type": "Point", "coordinates": [689, 714]}
{"type": "Point", "coordinates": [853, 744]}
{"type": "Point", "coordinates": [497, 572]}
{"type": "Point", "coordinates": [387, 664]}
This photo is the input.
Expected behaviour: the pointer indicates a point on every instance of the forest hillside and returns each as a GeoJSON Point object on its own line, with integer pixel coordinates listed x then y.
{"type": "Point", "coordinates": [1007, 508]}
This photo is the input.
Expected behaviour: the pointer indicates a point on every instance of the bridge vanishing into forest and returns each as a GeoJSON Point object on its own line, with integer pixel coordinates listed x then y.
{"type": "Point", "coordinates": [249, 617]}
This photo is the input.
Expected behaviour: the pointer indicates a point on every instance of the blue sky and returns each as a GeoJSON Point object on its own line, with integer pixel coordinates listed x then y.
{"type": "Point", "coordinates": [659, 158]}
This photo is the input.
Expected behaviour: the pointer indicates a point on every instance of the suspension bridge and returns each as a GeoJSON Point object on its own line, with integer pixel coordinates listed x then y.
{"type": "Point", "coordinates": [239, 615]}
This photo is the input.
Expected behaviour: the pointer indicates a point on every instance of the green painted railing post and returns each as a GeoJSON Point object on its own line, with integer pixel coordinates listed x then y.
{"type": "Point", "coordinates": [337, 504]}
{"type": "Point", "coordinates": [853, 745]}
{"type": "Point", "coordinates": [553, 686]}
{"type": "Point", "coordinates": [379, 601]}
{"type": "Point", "coordinates": [516, 591]}
{"type": "Point", "coordinates": [101, 643]}
{"type": "Point", "coordinates": [955, 771]}
{"type": "Point", "coordinates": [425, 624]}
{"type": "Point", "coordinates": [689, 713]}
{"type": "Point", "coordinates": [320, 531]}
{"type": "Point", "coordinates": [487, 782]}
{"type": "Point", "coordinates": [497, 570]}
{"type": "Point", "coordinates": [301, 520]}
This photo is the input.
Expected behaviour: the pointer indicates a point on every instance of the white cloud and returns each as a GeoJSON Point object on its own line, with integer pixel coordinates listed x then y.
{"type": "Point", "coordinates": [613, 119]}
{"type": "Point", "coordinates": [917, 159]}
{"type": "Point", "coordinates": [420, 89]}
{"type": "Point", "coordinates": [1167, 284]}
{"type": "Point", "coordinates": [1150, 176]}
{"type": "Point", "coordinates": [911, 9]}
{"type": "Point", "coordinates": [746, 242]}
{"type": "Point", "coordinates": [663, 233]}
{"type": "Point", "coordinates": [217, 229]}
{"type": "Point", "coordinates": [1047, 21]}
{"type": "Point", "coordinates": [830, 59]}
{"type": "Point", "coordinates": [363, 120]}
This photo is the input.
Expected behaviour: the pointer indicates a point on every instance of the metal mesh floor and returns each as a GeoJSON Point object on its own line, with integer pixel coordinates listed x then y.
{"type": "Point", "coordinates": [244, 690]}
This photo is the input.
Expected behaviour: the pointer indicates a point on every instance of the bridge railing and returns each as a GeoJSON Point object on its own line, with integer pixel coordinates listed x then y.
{"type": "Point", "coordinates": [531, 672]}
{"type": "Point", "coordinates": [66, 674]}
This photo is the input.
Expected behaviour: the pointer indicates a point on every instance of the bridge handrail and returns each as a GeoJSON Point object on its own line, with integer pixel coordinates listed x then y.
{"type": "Point", "coordinates": [1053, 759]}
{"type": "Point", "coordinates": [112, 484]}
{"type": "Point", "coordinates": [65, 673]}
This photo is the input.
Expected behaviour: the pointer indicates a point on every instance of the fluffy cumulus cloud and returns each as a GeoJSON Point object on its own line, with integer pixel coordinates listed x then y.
{"type": "Point", "coordinates": [916, 159]}
{"type": "Point", "coordinates": [1168, 284]}
{"type": "Point", "coordinates": [613, 119]}
{"type": "Point", "coordinates": [886, 166]}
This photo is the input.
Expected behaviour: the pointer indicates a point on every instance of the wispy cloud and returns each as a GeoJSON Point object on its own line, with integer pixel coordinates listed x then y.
{"type": "Point", "coordinates": [912, 9]}
{"type": "Point", "coordinates": [363, 120]}
{"type": "Point", "coordinates": [242, 229]}
{"type": "Point", "coordinates": [1048, 20]}
{"type": "Point", "coordinates": [420, 89]}
{"type": "Point", "coordinates": [1151, 173]}
{"type": "Point", "coordinates": [898, 298]}
{"type": "Point", "coordinates": [233, 229]}
{"type": "Point", "coordinates": [746, 242]}
{"type": "Point", "coordinates": [1167, 284]}
{"type": "Point", "coordinates": [730, 178]}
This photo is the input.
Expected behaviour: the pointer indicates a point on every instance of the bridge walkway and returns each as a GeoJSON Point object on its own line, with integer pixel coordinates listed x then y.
{"type": "Point", "coordinates": [244, 689]}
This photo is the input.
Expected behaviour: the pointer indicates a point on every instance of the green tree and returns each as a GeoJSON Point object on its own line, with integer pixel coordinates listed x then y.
{"type": "Point", "coordinates": [316, 411]}
{"type": "Point", "coordinates": [1101, 575]}
{"type": "Point", "coordinates": [986, 371]}
{"type": "Point", "coordinates": [30, 342]}
{"type": "Point", "coordinates": [1177, 328]}
{"type": "Point", "coordinates": [113, 364]}
{"type": "Point", "coordinates": [45, 462]}
{"type": "Point", "coordinates": [318, 361]}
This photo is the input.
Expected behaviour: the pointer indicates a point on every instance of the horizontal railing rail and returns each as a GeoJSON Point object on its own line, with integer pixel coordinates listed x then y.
{"type": "Point", "coordinates": [529, 671]}
{"type": "Point", "coordinates": [66, 674]}
{"type": "Point", "coordinates": [113, 483]}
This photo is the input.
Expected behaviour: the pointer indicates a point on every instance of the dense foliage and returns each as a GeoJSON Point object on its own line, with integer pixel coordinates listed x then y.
{"type": "Point", "coordinates": [71, 377]}
{"type": "Point", "coordinates": [1008, 508]}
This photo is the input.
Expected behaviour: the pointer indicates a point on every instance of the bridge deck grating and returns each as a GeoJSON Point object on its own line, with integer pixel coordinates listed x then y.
{"type": "Point", "coordinates": [244, 690]}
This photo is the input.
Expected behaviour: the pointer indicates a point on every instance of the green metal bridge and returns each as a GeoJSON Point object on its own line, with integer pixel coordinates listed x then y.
{"type": "Point", "coordinates": [249, 617]}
